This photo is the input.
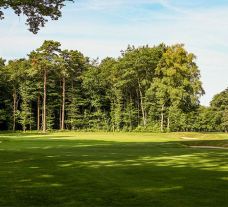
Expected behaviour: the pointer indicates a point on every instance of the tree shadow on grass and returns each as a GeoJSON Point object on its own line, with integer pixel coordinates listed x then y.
{"type": "Point", "coordinates": [99, 173]}
{"type": "Point", "coordinates": [45, 137]}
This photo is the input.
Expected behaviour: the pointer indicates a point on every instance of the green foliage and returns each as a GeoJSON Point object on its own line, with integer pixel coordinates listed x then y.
{"type": "Point", "coordinates": [152, 127]}
{"type": "Point", "coordinates": [2, 94]}
{"type": "Point", "coordinates": [145, 89]}
{"type": "Point", "coordinates": [130, 116]}
{"type": "Point", "coordinates": [219, 106]}
{"type": "Point", "coordinates": [177, 86]}
{"type": "Point", "coordinates": [35, 11]}
{"type": "Point", "coordinates": [25, 114]}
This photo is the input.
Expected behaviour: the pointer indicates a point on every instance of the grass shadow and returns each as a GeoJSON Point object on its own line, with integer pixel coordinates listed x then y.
{"type": "Point", "coordinates": [99, 173]}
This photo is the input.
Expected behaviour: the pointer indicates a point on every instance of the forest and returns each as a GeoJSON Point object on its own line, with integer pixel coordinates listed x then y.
{"type": "Point", "coordinates": [146, 89]}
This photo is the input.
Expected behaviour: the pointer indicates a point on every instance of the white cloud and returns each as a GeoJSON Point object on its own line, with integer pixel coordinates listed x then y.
{"type": "Point", "coordinates": [97, 29]}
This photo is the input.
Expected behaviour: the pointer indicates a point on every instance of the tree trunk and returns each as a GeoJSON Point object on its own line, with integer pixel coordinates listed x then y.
{"type": "Point", "coordinates": [168, 124]}
{"type": "Point", "coordinates": [162, 118]}
{"type": "Point", "coordinates": [24, 128]}
{"type": "Point", "coordinates": [30, 118]}
{"type": "Point", "coordinates": [38, 112]}
{"type": "Point", "coordinates": [72, 100]}
{"type": "Point", "coordinates": [60, 117]}
{"type": "Point", "coordinates": [138, 108]}
{"type": "Point", "coordinates": [14, 109]}
{"type": "Point", "coordinates": [44, 101]}
{"type": "Point", "coordinates": [130, 102]}
{"type": "Point", "coordinates": [63, 104]}
{"type": "Point", "coordinates": [142, 105]}
{"type": "Point", "coordinates": [60, 109]}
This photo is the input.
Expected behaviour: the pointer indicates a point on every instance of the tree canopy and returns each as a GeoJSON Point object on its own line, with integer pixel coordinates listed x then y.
{"type": "Point", "coordinates": [145, 89]}
{"type": "Point", "coordinates": [36, 11]}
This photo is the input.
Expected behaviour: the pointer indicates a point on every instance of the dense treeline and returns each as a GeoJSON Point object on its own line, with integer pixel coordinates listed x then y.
{"type": "Point", "coordinates": [145, 89]}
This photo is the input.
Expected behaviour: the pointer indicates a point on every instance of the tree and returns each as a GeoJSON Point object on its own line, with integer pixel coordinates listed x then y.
{"type": "Point", "coordinates": [62, 62]}
{"type": "Point", "coordinates": [137, 71]}
{"type": "Point", "coordinates": [177, 84]}
{"type": "Point", "coordinates": [94, 89]}
{"type": "Point", "coordinates": [110, 94]}
{"type": "Point", "coordinates": [225, 120]}
{"type": "Point", "coordinates": [36, 11]}
{"type": "Point", "coordinates": [219, 105]}
{"type": "Point", "coordinates": [220, 100]}
{"type": "Point", "coordinates": [43, 60]}
{"type": "Point", "coordinates": [70, 65]}
{"type": "Point", "coordinates": [146, 89]}
{"type": "Point", "coordinates": [26, 94]}
{"type": "Point", "coordinates": [3, 94]}
{"type": "Point", "coordinates": [15, 71]}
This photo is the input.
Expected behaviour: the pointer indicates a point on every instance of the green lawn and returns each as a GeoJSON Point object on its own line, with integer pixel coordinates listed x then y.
{"type": "Point", "coordinates": [106, 169]}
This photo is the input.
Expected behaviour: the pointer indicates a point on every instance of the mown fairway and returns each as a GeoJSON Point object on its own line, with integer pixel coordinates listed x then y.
{"type": "Point", "coordinates": [105, 169]}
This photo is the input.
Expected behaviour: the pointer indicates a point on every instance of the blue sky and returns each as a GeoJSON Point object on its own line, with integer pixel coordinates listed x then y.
{"type": "Point", "coordinates": [101, 28]}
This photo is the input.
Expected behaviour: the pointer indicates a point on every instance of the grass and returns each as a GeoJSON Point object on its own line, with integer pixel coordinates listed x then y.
{"type": "Point", "coordinates": [112, 169]}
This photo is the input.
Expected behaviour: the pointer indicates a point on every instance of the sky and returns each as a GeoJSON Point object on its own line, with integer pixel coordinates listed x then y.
{"type": "Point", "coordinates": [101, 28]}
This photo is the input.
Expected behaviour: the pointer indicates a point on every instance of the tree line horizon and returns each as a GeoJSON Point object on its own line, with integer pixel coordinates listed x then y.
{"type": "Point", "coordinates": [151, 89]}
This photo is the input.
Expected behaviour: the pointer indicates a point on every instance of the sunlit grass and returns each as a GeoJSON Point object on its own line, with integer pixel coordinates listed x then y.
{"type": "Point", "coordinates": [112, 169]}
{"type": "Point", "coordinates": [118, 136]}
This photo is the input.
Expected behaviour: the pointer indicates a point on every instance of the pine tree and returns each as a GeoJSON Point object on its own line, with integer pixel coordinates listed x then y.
{"type": "Point", "coordinates": [43, 60]}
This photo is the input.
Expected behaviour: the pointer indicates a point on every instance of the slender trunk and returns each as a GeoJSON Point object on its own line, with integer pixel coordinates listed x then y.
{"type": "Point", "coordinates": [44, 101]}
{"type": "Point", "coordinates": [24, 128]}
{"type": "Point", "coordinates": [142, 105]}
{"type": "Point", "coordinates": [30, 118]}
{"type": "Point", "coordinates": [113, 115]}
{"type": "Point", "coordinates": [63, 103]}
{"type": "Point", "coordinates": [168, 124]}
{"type": "Point", "coordinates": [130, 103]}
{"type": "Point", "coordinates": [38, 111]}
{"type": "Point", "coordinates": [14, 109]}
{"type": "Point", "coordinates": [41, 115]}
{"type": "Point", "coordinates": [60, 116]}
{"type": "Point", "coordinates": [162, 118]}
{"type": "Point", "coordinates": [72, 101]}
{"type": "Point", "coordinates": [60, 110]}
{"type": "Point", "coordinates": [138, 108]}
